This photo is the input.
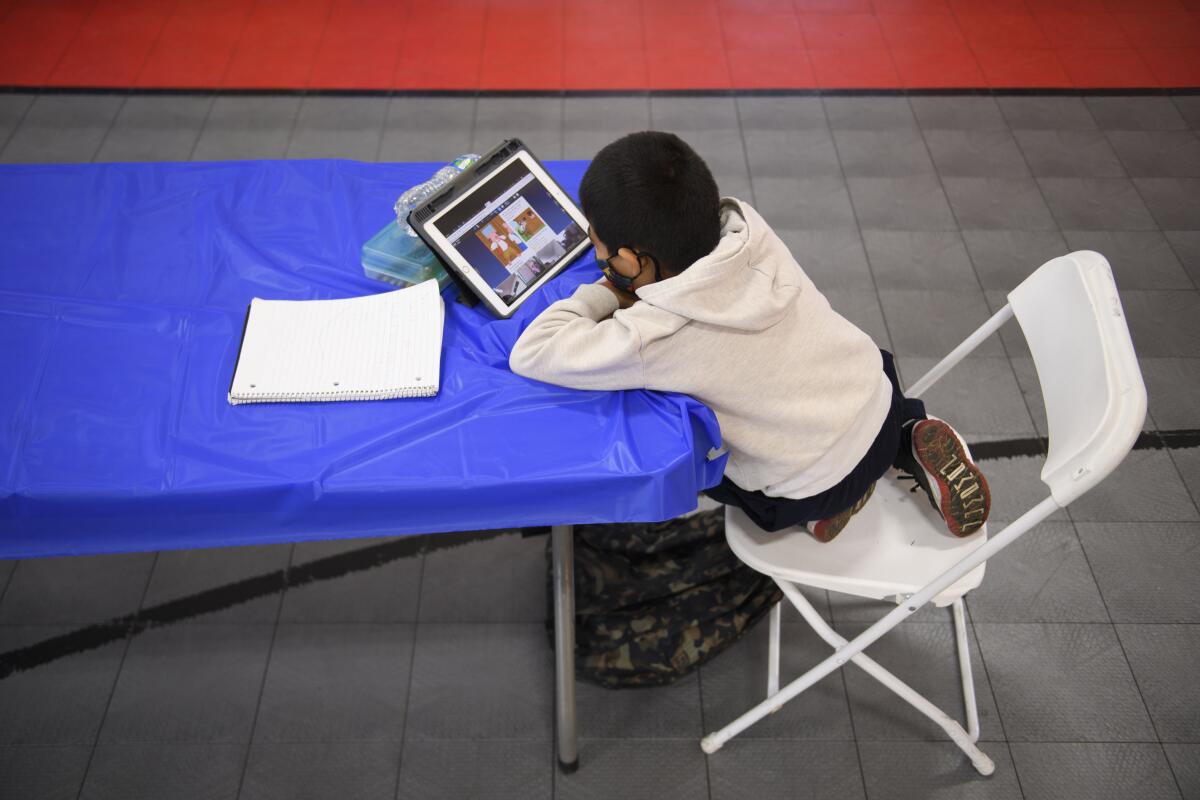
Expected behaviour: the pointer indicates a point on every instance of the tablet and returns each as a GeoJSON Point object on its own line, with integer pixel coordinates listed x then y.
{"type": "Point", "coordinates": [503, 228]}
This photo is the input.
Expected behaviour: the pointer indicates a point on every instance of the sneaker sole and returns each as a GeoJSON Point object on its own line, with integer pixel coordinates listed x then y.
{"type": "Point", "coordinates": [965, 499]}
{"type": "Point", "coordinates": [826, 529]}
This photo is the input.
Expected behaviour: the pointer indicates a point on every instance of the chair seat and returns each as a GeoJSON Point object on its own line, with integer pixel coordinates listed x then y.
{"type": "Point", "coordinates": [895, 545]}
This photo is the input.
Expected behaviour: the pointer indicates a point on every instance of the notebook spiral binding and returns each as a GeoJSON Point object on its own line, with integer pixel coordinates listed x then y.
{"type": "Point", "coordinates": [331, 397]}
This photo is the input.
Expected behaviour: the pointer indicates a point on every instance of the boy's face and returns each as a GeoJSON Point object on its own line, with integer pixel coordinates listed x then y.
{"type": "Point", "coordinates": [624, 262]}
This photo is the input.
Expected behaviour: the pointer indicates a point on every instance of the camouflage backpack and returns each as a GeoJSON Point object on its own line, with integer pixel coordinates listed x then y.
{"type": "Point", "coordinates": [655, 601]}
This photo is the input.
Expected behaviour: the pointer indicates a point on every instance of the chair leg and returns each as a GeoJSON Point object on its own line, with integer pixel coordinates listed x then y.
{"type": "Point", "coordinates": [964, 670]}
{"type": "Point", "coordinates": [714, 741]}
{"type": "Point", "coordinates": [773, 651]}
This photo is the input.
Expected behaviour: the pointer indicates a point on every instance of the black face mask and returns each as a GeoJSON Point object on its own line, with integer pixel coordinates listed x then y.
{"type": "Point", "coordinates": [620, 281]}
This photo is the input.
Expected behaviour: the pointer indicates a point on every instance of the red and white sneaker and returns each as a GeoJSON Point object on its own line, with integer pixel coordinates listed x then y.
{"type": "Point", "coordinates": [825, 529]}
{"type": "Point", "coordinates": [942, 466]}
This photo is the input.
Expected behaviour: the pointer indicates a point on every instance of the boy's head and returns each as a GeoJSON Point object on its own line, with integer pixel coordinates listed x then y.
{"type": "Point", "coordinates": [650, 192]}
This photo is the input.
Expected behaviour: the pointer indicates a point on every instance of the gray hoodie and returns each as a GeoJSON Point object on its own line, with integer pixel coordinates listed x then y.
{"type": "Point", "coordinates": [799, 392]}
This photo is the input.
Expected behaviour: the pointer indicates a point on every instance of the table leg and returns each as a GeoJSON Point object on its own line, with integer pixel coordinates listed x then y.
{"type": "Point", "coordinates": [563, 545]}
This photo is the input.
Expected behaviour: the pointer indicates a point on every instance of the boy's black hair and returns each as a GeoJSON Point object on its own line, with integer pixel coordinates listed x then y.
{"type": "Point", "coordinates": [651, 190]}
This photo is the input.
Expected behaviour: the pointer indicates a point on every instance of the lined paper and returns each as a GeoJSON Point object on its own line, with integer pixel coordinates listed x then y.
{"type": "Point", "coordinates": [360, 348]}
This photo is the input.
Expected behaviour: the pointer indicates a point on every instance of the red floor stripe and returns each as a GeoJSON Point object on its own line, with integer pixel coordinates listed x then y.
{"type": "Point", "coordinates": [600, 44]}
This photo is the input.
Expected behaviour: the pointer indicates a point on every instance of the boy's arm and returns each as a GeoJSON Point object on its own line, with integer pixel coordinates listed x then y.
{"type": "Point", "coordinates": [577, 342]}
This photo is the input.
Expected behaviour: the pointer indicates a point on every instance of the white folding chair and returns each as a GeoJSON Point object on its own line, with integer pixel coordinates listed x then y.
{"type": "Point", "coordinates": [898, 548]}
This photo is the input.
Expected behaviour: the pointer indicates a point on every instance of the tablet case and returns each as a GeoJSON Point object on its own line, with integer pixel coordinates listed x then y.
{"type": "Point", "coordinates": [487, 163]}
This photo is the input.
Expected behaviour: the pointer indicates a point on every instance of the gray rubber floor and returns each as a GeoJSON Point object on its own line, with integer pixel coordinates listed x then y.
{"type": "Point", "coordinates": [430, 676]}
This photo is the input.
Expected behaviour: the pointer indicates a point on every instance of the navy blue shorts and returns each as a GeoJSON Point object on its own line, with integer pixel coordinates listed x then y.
{"type": "Point", "coordinates": [777, 513]}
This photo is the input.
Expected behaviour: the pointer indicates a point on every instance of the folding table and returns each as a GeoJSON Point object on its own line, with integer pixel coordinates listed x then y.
{"type": "Point", "coordinates": [123, 290]}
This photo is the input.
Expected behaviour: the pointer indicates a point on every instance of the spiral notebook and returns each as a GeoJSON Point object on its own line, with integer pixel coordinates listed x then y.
{"type": "Point", "coordinates": [362, 348]}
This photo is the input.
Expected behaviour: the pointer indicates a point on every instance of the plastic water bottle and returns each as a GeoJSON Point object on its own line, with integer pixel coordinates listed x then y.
{"type": "Point", "coordinates": [418, 195]}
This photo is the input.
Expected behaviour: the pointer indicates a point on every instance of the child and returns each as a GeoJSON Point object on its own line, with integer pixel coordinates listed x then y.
{"type": "Point", "coordinates": [701, 297]}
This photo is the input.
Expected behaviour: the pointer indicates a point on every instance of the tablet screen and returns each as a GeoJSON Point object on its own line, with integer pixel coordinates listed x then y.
{"type": "Point", "coordinates": [511, 231]}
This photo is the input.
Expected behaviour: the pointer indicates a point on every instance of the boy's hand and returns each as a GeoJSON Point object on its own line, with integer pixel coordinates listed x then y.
{"type": "Point", "coordinates": [626, 299]}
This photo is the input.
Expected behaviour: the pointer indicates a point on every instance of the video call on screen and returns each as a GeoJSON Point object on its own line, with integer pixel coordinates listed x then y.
{"type": "Point", "coordinates": [511, 234]}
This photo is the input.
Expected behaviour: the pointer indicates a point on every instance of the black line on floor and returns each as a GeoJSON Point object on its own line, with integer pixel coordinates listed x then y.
{"type": "Point", "coordinates": [336, 566]}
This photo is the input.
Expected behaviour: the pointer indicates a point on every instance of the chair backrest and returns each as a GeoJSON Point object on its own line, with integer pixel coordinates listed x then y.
{"type": "Point", "coordinates": [1095, 399]}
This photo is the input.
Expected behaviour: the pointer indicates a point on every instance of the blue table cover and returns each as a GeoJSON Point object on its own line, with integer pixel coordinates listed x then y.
{"type": "Point", "coordinates": [123, 289]}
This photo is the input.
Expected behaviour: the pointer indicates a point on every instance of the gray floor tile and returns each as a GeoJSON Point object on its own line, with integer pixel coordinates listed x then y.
{"type": "Point", "coordinates": [317, 771]}
{"type": "Point", "coordinates": [494, 579]}
{"type": "Point", "coordinates": [929, 324]}
{"type": "Point", "coordinates": [739, 186]}
{"type": "Point", "coordinates": [13, 108]}
{"type": "Point", "coordinates": [189, 683]}
{"type": "Point", "coordinates": [862, 308]}
{"type": "Point", "coordinates": [661, 712]}
{"type": "Point", "coordinates": [1163, 324]}
{"type": "Point", "coordinates": [1172, 385]}
{"type": "Point", "coordinates": [1187, 461]}
{"type": "Point", "coordinates": [691, 114]}
{"type": "Point", "coordinates": [47, 773]}
{"type": "Point", "coordinates": [1187, 247]}
{"type": "Point", "coordinates": [7, 566]}
{"type": "Point", "coordinates": [1158, 154]}
{"type": "Point", "coordinates": [893, 153]}
{"type": "Point", "coordinates": [1046, 113]}
{"type": "Point", "coordinates": [998, 203]}
{"type": "Point", "coordinates": [869, 113]}
{"type": "Point", "coordinates": [976, 153]}
{"type": "Point", "coordinates": [736, 681]}
{"type": "Point", "coordinates": [63, 127]}
{"type": "Point", "coordinates": [537, 121]}
{"type": "Point", "coordinates": [1164, 660]}
{"type": "Point", "coordinates": [384, 593]}
{"type": "Point", "coordinates": [453, 770]}
{"type": "Point", "coordinates": [155, 128]}
{"type": "Point", "coordinates": [781, 113]}
{"type": "Point", "coordinates": [1042, 577]}
{"type": "Point", "coordinates": [922, 655]}
{"type": "Point", "coordinates": [1185, 763]}
{"type": "Point", "coordinates": [913, 203]}
{"type": "Point", "coordinates": [637, 770]}
{"type": "Point", "coordinates": [584, 145]}
{"type": "Point", "coordinates": [183, 771]}
{"type": "Point", "coordinates": [1189, 108]}
{"type": "Point", "coordinates": [1069, 154]}
{"type": "Point", "coordinates": [339, 127]}
{"type": "Point", "coordinates": [958, 113]}
{"type": "Point", "coordinates": [1139, 259]}
{"type": "Point", "coordinates": [1062, 682]}
{"type": "Point", "coordinates": [802, 153]}
{"type": "Point", "coordinates": [804, 203]}
{"type": "Point", "coordinates": [1145, 570]}
{"type": "Point", "coordinates": [247, 128]}
{"type": "Point", "coordinates": [336, 683]}
{"type": "Point", "coordinates": [1107, 771]}
{"type": "Point", "coordinates": [1145, 488]}
{"type": "Point", "coordinates": [179, 574]}
{"type": "Point", "coordinates": [832, 259]}
{"type": "Point", "coordinates": [979, 396]}
{"type": "Point", "coordinates": [427, 128]}
{"type": "Point", "coordinates": [1016, 485]}
{"type": "Point", "coordinates": [1174, 202]}
{"type": "Point", "coordinates": [920, 260]}
{"type": "Point", "coordinates": [722, 150]}
{"type": "Point", "coordinates": [617, 114]}
{"type": "Point", "coordinates": [1135, 113]}
{"type": "Point", "coordinates": [75, 589]}
{"type": "Point", "coordinates": [481, 682]}
{"type": "Point", "coordinates": [784, 770]}
{"type": "Point", "coordinates": [1096, 204]}
{"type": "Point", "coordinates": [1005, 258]}
{"type": "Point", "coordinates": [61, 702]}
{"type": "Point", "coordinates": [935, 771]}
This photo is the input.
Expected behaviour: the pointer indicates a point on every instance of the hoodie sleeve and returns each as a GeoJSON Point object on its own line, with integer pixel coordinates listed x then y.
{"type": "Point", "coordinates": [580, 342]}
